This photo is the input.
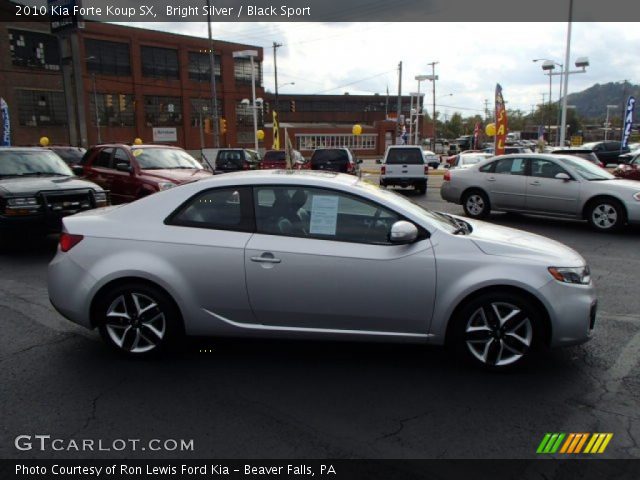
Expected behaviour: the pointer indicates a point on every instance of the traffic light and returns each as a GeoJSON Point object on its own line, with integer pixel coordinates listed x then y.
{"type": "Point", "coordinates": [122, 100]}
{"type": "Point", "coordinates": [223, 125]}
{"type": "Point", "coordinates": [266, 108]}
{"type": "Point", "coordinates": [207, 125]}
{"type": "Point", "coordinates": [109, 100]}
{"type": "Point", "coordinates": [292, 106]}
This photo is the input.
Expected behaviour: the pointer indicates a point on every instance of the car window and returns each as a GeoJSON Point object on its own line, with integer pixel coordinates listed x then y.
{"type": "Point", "coordinates": [334, 156]}
{"type": "Point", "coordinates": [31, 162]}
{"type": "Point", "coordinates": [120, 156]}
{"type": "Point", "coordinates": [404, 156]}
{"type": "Point", "coordinates": [510, 166]}
{"type": "Point", "coordinates": [488, 167]}
{"type": "Point", "coordinates": [636, 161]}
{"type": "Point", "coordinates": [542, 168]}
{"type": "Point", "coordinates": [103, 158]}
{"type": "Point", "coordinates": [321, 214]}
{"type": "Point", "coordinates": [218, 209]}
{"type": "Point", "coordinates": [274, 156]}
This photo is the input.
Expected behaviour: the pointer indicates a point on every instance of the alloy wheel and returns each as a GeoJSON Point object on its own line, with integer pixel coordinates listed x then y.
{"type": "Point", "coordinates": [135, 322]}
{"type": "Point", "coordinates": [475, 204]}
{"type": "Point", "coordinates": [498, 334]}
{"type": "Point", "coordinates": [604, 216]}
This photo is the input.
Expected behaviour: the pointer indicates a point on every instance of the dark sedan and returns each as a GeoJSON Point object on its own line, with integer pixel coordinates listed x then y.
{"type": "Point", "coordinates": [607, 151]}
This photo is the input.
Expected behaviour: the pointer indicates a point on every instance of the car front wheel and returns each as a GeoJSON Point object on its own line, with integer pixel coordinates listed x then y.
{"type": "Point", "coordinates": [606, 215]}
{"type": "Point", "coordinates": [476, 204]}
{"type": "Point", "coordinates": [137, 319]}
{"type": "Point", "coordinates": [497, 331]}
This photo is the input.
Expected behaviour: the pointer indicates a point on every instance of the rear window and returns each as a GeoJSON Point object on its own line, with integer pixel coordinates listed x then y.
{"type": "Point", "coordinates": [230, 156]}
{"type": "Point", "coordinates": [404, 156]}
{"type": "Point", "coordinates": [335, 157]}
{"type": "Point", "coordinates": [274, 156]}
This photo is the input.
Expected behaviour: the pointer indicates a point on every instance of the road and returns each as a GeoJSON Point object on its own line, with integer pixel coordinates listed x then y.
{"type": "Point", "coordinates": [267, 399]}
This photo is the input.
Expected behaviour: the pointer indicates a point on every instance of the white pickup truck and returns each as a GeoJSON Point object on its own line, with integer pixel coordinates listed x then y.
{"type": "Point", "coordinates": [404, 165]}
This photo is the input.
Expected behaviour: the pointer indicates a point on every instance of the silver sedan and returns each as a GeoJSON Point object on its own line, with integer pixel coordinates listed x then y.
{"type": "Point", "coordinates": [552, 185]}
{"type": "Point", "coordinates": [317, 256]}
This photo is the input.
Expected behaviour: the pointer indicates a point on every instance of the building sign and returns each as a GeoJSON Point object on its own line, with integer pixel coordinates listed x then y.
{"type": "Point", "coordinates": [576, 140]}
{"type": "Point", "coordinates": [5, 140]}
{"type": "Point", "coordinates": [165, 134]}
{"type": "Point", "coordinates": [62, 15]}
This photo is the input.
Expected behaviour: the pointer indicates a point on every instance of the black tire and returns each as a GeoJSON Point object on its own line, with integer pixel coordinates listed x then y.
{"type": "Point", "coordinates": [421, 187]}
{"type": "Point", "coordinates": [148, 330]}
{"type": "Point", "coordinates": [497, 341]}
{"type": "Point", "coordinates": [606, 215]}
{"type": "Point", "coordinates": [382, 184]}
{"type": "Point", "coordinates": [476, 204]}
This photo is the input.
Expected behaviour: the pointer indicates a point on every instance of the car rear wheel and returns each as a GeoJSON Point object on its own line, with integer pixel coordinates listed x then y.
{"type": "Point", "coordinates": [137, 319]}
{"type": "Point", "coordinates": [497, 330]}
{"type": "Point", "coordinates": [606, 215]}
{"type": "Point", "coordinates": [421, 188]}
{"type": "Point", "coordinates": [476, 204]}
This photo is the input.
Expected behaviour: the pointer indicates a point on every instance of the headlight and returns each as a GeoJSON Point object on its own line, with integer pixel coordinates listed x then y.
{"type": "Point", "coordinates": [22, 202]}
{"type": "Point", "coordinates": [166, 185]}
{"type": "Point", "coordinates": [100, 198]}
{"type": "Point", "coordinates": [636, 196]}
{"type": "Point", "coordinates": [579, 275]}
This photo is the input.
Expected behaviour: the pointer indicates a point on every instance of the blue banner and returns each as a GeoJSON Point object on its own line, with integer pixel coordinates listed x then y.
{"type": "Point", "coordinates": [6, 124]}
{"type": "Point", "coordinates": [628, 121]}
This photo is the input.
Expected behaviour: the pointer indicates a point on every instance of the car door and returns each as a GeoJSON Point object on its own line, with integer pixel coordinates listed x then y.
{"type": "Point", "coordinates": [124, 185]}
{"type": "Point", "coordinates": [506, 183]}
{"type": "Point", "coordinates": [321, 259]}
{"type": "Point", "coordinates": [99, 170]}
{"type": "Point", "coordinates": [548, 194]}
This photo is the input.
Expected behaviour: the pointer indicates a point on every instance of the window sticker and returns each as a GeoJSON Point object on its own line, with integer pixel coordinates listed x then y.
{"type": "Point", "coordinates": [324, 215]}
{"type": "Point", "coordinates": [137, 152]}
{"type": "Point", "coordinates": [517, 165]}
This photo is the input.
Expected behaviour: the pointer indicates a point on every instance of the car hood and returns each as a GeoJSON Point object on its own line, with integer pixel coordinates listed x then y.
{"type": "Point", "coordinates": [630, 185]}
{"type": "Point", "coordinates": [177, 175]}
{"type": "Point", "coordinates": [510, 242]}
{"type": "Point", "coordinates": [30, 185]}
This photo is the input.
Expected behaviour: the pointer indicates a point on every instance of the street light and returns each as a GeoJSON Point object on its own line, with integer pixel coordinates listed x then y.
{"type": "Point", "coordinates": [549, 66]}
{"type": "Point", "coordinates": [414, 111]}
{"type": "Point", "coordinates": [419, 78]}
{"type": "Point", "coordinates": [251, 54]}
{"type": "Point", "coordinates": [433, 77]}
{"type": "Point", "coordinates": [606, 122]}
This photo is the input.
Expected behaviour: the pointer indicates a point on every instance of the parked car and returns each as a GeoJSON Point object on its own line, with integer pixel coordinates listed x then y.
{"type": "Point", "coordinates": [71, 155]}
{"type": "Point", "coordinates": [404, 165]}
{"type": "Point", "coordinates": [224, 160]}
{"type": "Point", "coordinates": [630, 169]}
{"type": "Point", "coordinates": [466, 160]}
{"type": "Point", "coordinates": [432, 159]}
{"type": "Point", "coordinates": [132, 172]}
{"type": "Point", "coordinates": [214, 258]}
{"type": "Point", "coordinates": [608, 152]}
{"type": "Point", "coordinates": [37, 189]}
{"type": "Point", "coordinates": [585, 153]}
{"type": "Point", "coordinates": [551, 185]}
{"type": "Point", "coordinates": [339, 160]}
{"type": "Point", "coordinates": [276, 159]}
{"type": "Point", "coordinates": [509, 149]}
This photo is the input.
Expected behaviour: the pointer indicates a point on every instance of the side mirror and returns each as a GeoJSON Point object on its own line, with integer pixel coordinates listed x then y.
{"type": "Point", "coordinates": [446, 165]}
{"type": "Point", "coordinates": [77, 170]}
{"type": "Point", "coordinates": [359, 160]}
{"type": "Point", "coordinates": [403, 232]}
{"type": "Point", "coordinates": [123, 167]}
{"type": "Point", "coordinates": [378, 161]}
{"type": "Point", "coordinates": [562, 176]}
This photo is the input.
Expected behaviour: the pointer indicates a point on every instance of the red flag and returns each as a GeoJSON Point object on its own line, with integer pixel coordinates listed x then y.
{"type": "Point", "coordinates": [501, 122]}
{"type": "Point", "coordinates": [476, 134]}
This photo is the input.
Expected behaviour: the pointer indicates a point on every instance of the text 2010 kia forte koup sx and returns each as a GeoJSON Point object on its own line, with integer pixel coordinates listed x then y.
{"type": "Point", "coordinates": [315, 255]}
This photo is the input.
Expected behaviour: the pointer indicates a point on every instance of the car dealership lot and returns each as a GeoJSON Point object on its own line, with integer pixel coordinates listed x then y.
{"type": "Point", "coordinates": [267, 399]}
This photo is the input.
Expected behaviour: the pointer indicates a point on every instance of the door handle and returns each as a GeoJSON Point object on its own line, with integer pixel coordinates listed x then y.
{"type": "Point", "coordinates": [491, 179]}
{"type": "Point", "coordinates": [266, 258]}
{"type": "Point", "coordinates": [535, 183]}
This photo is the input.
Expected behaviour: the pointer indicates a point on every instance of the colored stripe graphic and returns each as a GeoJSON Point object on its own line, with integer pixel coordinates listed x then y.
{"type": "Point", "coordinates": [573, 443]}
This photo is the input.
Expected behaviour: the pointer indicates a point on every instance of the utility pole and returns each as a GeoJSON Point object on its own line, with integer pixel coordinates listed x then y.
{"type": "Point", "coordinates": [433, 82]}
{"type": "Point", "coordinates": [214, 95]}
{"type": "Point", "coordinates": [565, 87]}
{"type": "Point", "coordinates": [486, 109]}
{"type": "Point", "coordinates": [542, 109]}
{"type": "Point", "coordinates": [399, 107]}
{"type": "Point", "coordinates": [275, 71]}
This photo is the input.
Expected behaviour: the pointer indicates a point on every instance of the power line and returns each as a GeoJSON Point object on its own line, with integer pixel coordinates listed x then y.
{"type": "Point", "coordinates": [354, 82]}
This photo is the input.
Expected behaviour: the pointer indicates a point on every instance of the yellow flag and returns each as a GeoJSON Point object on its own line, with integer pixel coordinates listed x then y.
{"type": "Point", "coordinates": [276, 131]}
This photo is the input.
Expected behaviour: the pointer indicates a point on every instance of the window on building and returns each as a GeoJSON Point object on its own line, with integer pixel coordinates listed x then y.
{"type": "Point", "coordinates": [355, 142]}
{"type": "Point", "coordinates": [162, 111]}
{"type": "Point", "coordinates": [107, 58]}
{"type": "Point", "coordinates": [41, 107]}
{"type": "Point", "coordinates": [201, 108]}
{"type": "Point", "coordinates": [160, 62]}
{"type": "Point", "coordinates": [200, 67]}
{"type": "Point", "coordinates": [114, 109]}
{"type": "Point", "coordinates": [244, 115]}
{"type": "Point", "coordinates": [34, 50]}
{"type": "Point", "coordinates": [242, 70]}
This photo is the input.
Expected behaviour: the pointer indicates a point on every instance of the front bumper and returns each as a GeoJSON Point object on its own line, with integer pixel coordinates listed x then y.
{"type": "Point", "coordinates": [633, 211]}
{"type": "Point", "coordinates": [450, 193]}
{"type": "Point", "coordinates": [572, 310]}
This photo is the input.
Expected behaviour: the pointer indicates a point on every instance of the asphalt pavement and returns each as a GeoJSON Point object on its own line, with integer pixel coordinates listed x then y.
{"type": "Point", "coordinates": [268, 399]}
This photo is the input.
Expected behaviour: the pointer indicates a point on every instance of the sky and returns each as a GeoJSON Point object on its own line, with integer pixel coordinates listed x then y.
{"type": "Point", "coordinates": [362, 58]}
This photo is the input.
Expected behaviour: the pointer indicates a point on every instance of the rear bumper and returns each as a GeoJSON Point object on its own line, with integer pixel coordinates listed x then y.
{"type": "Point", "coordinates": [403, 181]}
{"type": "Point", "coordinates": [38, 223]}
{"type": "Point", "coordinates": [449, 193]}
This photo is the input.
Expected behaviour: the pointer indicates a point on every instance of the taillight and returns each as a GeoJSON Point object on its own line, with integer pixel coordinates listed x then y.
{"type": "Point", "coordinates": [68, 241]}
{"type": "Point", "coordinates": [383, 170]}
{"type": "Point", "coordinates": [245, 166]}
{"type": "Point", "coordinates": [349, 168]}
{"type": "Point", "coordinates": [447, 176]}
{"type": "Point", "coordinates": [426, 169]}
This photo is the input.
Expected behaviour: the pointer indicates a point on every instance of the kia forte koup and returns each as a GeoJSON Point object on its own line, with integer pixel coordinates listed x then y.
{"type": "Point", "coordinates": [315, 255]}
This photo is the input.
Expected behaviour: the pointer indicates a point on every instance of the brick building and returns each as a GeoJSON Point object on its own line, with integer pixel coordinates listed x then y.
{"type": "Point", "coordinates": [140, 79]}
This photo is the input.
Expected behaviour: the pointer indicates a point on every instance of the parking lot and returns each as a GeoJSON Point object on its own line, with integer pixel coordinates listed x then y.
{"type": "Point", "coordinates": [267, 399]}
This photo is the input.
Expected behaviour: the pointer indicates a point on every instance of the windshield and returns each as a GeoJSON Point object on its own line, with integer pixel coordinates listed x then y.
{"type": "Point", "coordinates": [586, 169]}
{"type": "Point", "coordinates": [395, 199]}
{"type": "Point", "coordinates": [329, 156]}
{"type": "Point", "coordinates": [70, 155]}
{"type": "Point", "coordinates": [274, 156]}
{"type": "Point", "coordinates": [472, 159]}
{"type": "Point", "coordinates": [164, 158]}
{"type": "Point", "coordinates": [25, 162]}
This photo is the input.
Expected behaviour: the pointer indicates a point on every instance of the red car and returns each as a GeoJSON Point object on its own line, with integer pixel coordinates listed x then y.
{"type": "Point", "coordinates": [275, 159]}
{"type": "Point", "coordinates": [132, 172]}
{"type": "Point", "coordinates": [630, 169]}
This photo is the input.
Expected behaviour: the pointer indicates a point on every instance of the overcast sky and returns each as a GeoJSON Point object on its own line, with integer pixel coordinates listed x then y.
{"type": "Point", "coordinates": [363, 57]}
